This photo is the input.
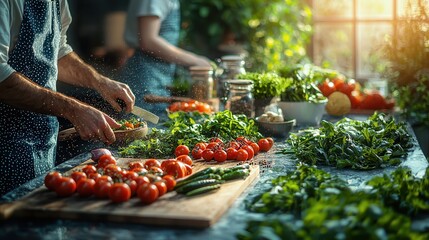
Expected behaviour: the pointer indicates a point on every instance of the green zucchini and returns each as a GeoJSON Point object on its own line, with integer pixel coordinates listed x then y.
{"type": "Point", "coordinates": [242, 173]}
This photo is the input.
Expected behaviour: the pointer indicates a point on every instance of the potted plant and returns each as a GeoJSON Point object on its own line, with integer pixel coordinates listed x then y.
{"type": "Point", "coordinates": [302, 99]}
{"type": "Point", "coordinates": [408, 69]}
{"type": "Point", "coordinates": [266, 86]}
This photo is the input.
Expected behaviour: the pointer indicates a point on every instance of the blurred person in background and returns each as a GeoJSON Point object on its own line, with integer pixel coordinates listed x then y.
{"type": "Point", "coordinates": [152, 29]}
{"type": "Point", "coordinates": [34, 54]}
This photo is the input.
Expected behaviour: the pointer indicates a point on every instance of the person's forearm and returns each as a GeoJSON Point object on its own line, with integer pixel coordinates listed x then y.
{"type": "Point", "coordinates": [162, 49]}
{"type": "Point", "coordinates": [20, 92]}
{"type": "Point", "coordinates": [73, 70]}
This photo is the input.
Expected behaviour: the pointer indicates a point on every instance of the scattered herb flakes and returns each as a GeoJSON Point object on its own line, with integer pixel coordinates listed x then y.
{"type": "Point", "coordinates": [374, 143]}
{"type": "Point", "coordinates": [312, 204]}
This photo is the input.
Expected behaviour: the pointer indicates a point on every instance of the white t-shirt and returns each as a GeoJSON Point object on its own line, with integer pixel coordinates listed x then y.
{"type": "Point", "coordinates": [139, 8]}
{"type": "Point", "coordinates": [11, 14]}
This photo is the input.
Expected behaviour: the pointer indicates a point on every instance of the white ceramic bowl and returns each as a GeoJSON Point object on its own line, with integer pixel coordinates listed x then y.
{"type": "Point", "coordinates": [305, 113]}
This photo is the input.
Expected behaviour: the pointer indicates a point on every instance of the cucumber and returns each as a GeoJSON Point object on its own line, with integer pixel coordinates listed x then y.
{"type": "Point", "coordinates": [203, 172]}
{"type": "Point", "coordinates": [202, 177]}
{"type": "Point", "coordinates": [203, 190]}
{"type": "Point", "coordinates": [242, 173]}
{"type": "Point", "coordinates": [238, 167]}
{"type": "Point", "coordinates": [198, 184]}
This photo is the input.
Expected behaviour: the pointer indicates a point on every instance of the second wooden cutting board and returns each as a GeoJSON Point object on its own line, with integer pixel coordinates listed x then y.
{"type": "Point", "coordinates": [171, 209]}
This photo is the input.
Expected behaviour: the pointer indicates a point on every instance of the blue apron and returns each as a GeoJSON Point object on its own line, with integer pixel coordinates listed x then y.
{"type": "Point", "coordinates": [27, 139]}
{"type": "Point", "coordinates": [146, 74]}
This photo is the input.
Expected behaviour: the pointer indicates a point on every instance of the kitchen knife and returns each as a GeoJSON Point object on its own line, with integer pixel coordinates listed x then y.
{"type": "Point", "coordinates": [145, 114]}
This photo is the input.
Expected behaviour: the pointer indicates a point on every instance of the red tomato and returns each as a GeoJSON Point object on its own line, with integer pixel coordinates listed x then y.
{"type": "Point", "coordinates": [77, 176]}
{"type": "Point", "coordinates": [255, 147]}
{"type": "Point", "coordinates": [162, 187]}
{"type": "Point", "coordinates": [156, 170]}
{"type": "Point", "coordinates": [66, 187]}
{"type": "Point", "coordinates": [338, 82]}
{"type": "Point", "coordinates": [102, 188]}
{"type": "Point", "coordinates": [355, 99]}
{"type": "Point", "coordinates": [129, 175]}
{"type": "Point", "coordinates": [113, 171]}
{"type": "Point", "coordinates": [327, 87]}
{"type": "Point", "coordinates": [271, 141]}
{"type": "Point", "coordinates": [133, 165]}
{"type": "Point", "coordinates": [264, 145]}
{"type": "Point", "coordinates": [85, 188]}
{"type": "Point", "coordinates": [212, 145]}
{"type": "Point", "coordinates": [140, 171]}
{"type": "Point", "coordinates": [142, 179]}
{"type": "Point", "coordinates": [87, 169]}
{"type": "Point", "coordinates": [216, 139]}
{"type": "Point", "coordinates": [94, 176]}
{"type": "Point", "coordinates": [176, 169]}
{"type": "Point", "coordinates": [208, 154]}
{"type": "Point", "coordinates": [373, 101]}
{"type": "Point", "coordinates": [148, 193]}
{"type": "Point", "coordinates": [242, 140]}
{"type": "Point", "coordinates": [197, 153]}
{"type": "Point", "coordinates": [201, 145]}
{"type": "Point", "coordinates": [231, 153]}
{"type": "Point", "coordinates": [181, 150]}
{"type": "Point", "coordinates": [242, 155]}
{"type": "Point", "coordinates": [105, 160]}
{"type": "Point", "coordinates": [151, 163]}
{"type": "Point", "coordinates": [234, 144]}
{"type": "Point", "coordinates": [250, 151]}
{"type": "Point", "coordinates": [347, 87]}
{"type": "Point", "coordinates": [119, 192]}
{"type": "Point", "coordinates": [133, 186]}
{"type": "Point", "coordinates": [166, 162]}
{"type": "Point", "coordinates": [185, 159]}
{"type": "Point", "coordinates": [169, 181]}
{"type": "Point", "coordinates": [188, 169]}
{"type": "Point", "coordinates": [52, 180]}
{"type": "Point", "coordinates": [220, 155]}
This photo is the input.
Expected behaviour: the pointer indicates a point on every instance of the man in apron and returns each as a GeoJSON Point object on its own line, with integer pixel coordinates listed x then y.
{"type": "Point", "coordinates": [152, 29]}
{"type": "Point", "coordinates": [33, 55]}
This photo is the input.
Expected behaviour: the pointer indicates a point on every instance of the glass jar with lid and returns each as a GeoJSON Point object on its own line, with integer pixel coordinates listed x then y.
{"type": "Point", "coordinates": [239, 97]}
{"type": "Point", "coordinates": [201, 82]}
{"type": "Point", "coordinates": [229, 67]}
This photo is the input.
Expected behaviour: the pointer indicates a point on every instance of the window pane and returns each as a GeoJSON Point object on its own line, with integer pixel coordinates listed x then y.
{"type": "Point", "coordinates": [407, 8]}
{"type": "Point", "coordinates": [333, 8]}
{"type": "Point", "coordinates": [371, 37]}
{"type": "Point", "coordinates": [333, 44]}
{"type": "Point", "coordinates": [380, 9]}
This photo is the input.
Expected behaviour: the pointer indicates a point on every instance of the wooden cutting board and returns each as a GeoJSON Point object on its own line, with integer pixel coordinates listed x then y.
{"type": "Point", "coordinates": [172, 209]}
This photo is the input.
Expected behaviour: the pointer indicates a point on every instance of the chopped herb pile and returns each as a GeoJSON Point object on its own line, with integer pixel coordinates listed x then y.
{"type": "Point", "coordinates": [189, 129]}
{"type": "Point", "coordinates": [375, 143]}
{"type": "Point", "coordinates": [312, 204]}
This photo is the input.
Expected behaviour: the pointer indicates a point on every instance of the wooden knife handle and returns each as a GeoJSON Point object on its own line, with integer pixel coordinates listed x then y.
{"type": "Point", "coordinates": [67, 134]}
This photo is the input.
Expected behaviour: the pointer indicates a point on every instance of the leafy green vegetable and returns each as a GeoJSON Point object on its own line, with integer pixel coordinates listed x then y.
{"type": "Point", "coordinates": [309, 203]}
{"type": "Point", "coordinates": [189, 129]}
{"type": "Point", "coordinates": [266, 85]}
{"type": "Point", "coordinates": [375, 143]}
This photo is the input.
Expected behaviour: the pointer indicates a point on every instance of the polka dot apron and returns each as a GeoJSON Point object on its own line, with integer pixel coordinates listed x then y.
{"type": "Point", "coordinates": [27, 139]}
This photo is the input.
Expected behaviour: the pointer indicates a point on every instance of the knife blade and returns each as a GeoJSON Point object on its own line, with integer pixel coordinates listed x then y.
{"type": "Point", "coordinates": [145, 114]}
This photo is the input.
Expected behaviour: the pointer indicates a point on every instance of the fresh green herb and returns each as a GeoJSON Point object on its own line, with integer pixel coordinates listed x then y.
{"type": "Point", "coordinates": [375, 143]}
{"type": "Point", "coordinates": [184, 129]}
{"type": "Point", "coordinates": [130, 123]}
{"type": "Point", "coordinates": [266, 85]}
{"type": "Point", "coordinates": [309, 203]}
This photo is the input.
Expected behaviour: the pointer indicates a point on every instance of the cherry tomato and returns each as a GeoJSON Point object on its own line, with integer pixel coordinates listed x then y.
{"type": "Point", "coordinates": [166, 162]}
{"type": "Point", "coordinates": [105, 160]}
{"type": "Point", "coordinates": [188, 169]}
{"type": "Point", "coordinates": [220, 155]}
{"type": "Point", "coordinates": [151, 163]}
{"type": "Point", "coordinates": [208, 154]}
{"type": "Point", "coordinates": [176, 169]}
{"type": "Point", "coordinates": [129, 175]}
{"type": "Point", "coordinates": [338, 82]}
{"type": "Point", "coordinates": [87, 169]}
{"type": "Point", "coordinates": [197, 153]}
{"type": "Point", "coordinates": [264, 145]}
{"type": "Point", "coordinates": [242, 155]}
{"type": "Point", "coordinates": [102, 188]}
{"type": "Point", "coordinates": [140, 171]}
{"type": "Point", "coordinates": [185, 159]}
{"type": "Point", "coordinates": [133, 165]}
{"type": "Point", "coordinates": [142, 179]}
{"type": "Point", "coordinates": [156, 170]}
{"type": "Point", "coordinates": [77, 176]}
{"type": "Point", "coordinates": [234, 144]}
{"type": "Point", "coordinates": [162, 187]}
{"type": "Point", "coordinates": [181, 150]}
{"type": "Point", "coordinates": [119, 192]}
{"type": "Point", "coordinates": [255, 147]}
{"type": "Point", "coordinates": [355, 99]}
{"type": "Point", "coordinates": [85, 187]}
{"type": "Point", "coordinates": [133, 186]}
{"type": "Point", "coordinates": [113, 170]}
{"type": "Point", "coordinates": [242, 140]}
{"type": "Point", "coordinates": [169, 181]}
{"type": "Point", "coordinates": [148, 193]}
{"type": "Point", "coordinates": [231, 153]}
{"type": "Point", "coordinates": [347, 87]}
{"type": "Point", "coordinates": [271, 141]}
{"type": "Point", "coordinates": [66, 187]}
{"type": "Point", "coordinates": [250, 152]}
{"type": "Point", "coordinates": [94, 176]}
{"type": "Point", "coordinates": [216, 139]}
{"type": "Point", "coordinates": [201, 145]}
{"type": "Point", "coordinates": [373, 101]}
{"type": "Point", "coordinates": [51, 180]}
